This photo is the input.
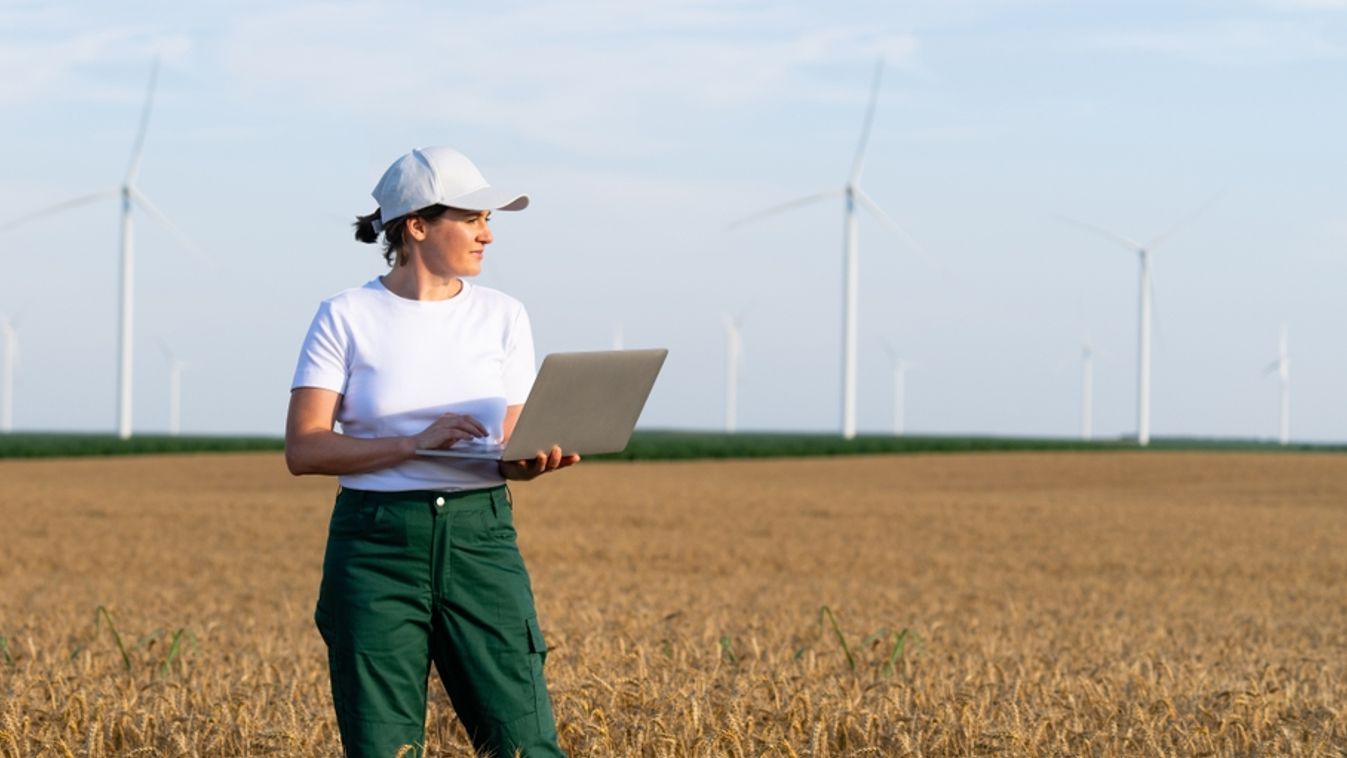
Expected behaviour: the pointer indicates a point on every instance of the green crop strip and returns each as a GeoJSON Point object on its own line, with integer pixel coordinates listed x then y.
{"type": "Point", "coordinates": [664, 445]}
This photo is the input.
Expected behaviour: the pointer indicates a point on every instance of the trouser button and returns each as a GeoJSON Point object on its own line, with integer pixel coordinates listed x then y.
{"type": "Point", "coordinates": [439, 502]}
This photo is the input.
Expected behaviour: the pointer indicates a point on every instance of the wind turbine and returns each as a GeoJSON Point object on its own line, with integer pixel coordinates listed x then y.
{"type": "Point", "coordinates": [175, 365]}
{"type": "Point", "coordinates": [899, 369]}
{"type": "Point", "coordinates": [1088, 354]}
{"type": "Point", "coordinates": [10, 337]}
{"type": "Point", "coordinates": [130, 195]}
{"type": "Point", "coordinates": [734, 356]}
{"type": "Point", "coordinates": [1144, 252]}
{"type": "Point", "coordinates": [852, 194]}
{"type": "Point", "coordinates": [899, 372]}
{"type": "Point", "coordinates": [617, 337]}
{"type": "Point", "coordinates": [1283, 368]}
{"type": "Point", "coordinates": [1087, 390]}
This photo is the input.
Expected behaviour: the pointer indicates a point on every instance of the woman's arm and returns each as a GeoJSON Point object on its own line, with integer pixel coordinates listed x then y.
{"type": "Point", "coordinates": [312, 447]}
{"type": "Point", "coordinates": [511, 418]}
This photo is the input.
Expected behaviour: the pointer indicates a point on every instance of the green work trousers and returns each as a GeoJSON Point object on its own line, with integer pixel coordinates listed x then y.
{"type": "Point", "coordinates": [411, 578]}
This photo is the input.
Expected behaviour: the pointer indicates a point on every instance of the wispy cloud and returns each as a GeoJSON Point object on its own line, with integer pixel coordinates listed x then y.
{"type": "Point", "coordinates": [952, 134]}
{"type": "Point", "coordinates": [51, 52]}
{"type": "Point", "coordinates": [1307, 5]}
{"type": "Point", "coordinates": [636, 64]}
{"type": "Point", "coordinates": [1232, 43]}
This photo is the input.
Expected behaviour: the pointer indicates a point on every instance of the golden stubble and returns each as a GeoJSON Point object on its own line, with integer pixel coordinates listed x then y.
{"type": "Point", "coordinates": [1013, 604]}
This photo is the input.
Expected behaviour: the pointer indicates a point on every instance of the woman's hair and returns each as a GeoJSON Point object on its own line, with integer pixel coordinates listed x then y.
{"type": "Point", "coordinates": [393, 231]}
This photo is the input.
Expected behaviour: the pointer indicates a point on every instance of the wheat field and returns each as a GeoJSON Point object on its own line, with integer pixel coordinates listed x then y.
{"type": "Point", "coordinates": [1011, 604]}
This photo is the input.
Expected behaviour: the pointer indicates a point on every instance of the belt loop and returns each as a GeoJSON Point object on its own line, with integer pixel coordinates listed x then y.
{"type": "Point", "coordinates": [495, 503]}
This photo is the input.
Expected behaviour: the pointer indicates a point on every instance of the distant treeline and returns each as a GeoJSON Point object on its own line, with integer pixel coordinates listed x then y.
{"type": "Point", "coordinates": [656, 445]}
{"type": "Point", "coordinates": [43, 445]}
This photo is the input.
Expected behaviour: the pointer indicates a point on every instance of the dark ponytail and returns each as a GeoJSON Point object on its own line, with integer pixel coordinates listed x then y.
{"type": "Point", "coordinates": [364, 231]}
{"type": "Point", "coordinates": [364, 228]}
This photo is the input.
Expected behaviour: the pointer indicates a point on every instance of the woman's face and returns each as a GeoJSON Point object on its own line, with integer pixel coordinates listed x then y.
{"type": "Point", "coordinates": [453, 244]}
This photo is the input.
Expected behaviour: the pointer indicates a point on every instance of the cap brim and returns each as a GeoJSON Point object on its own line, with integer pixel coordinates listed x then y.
{"type": "Point", "coordinates": [489, 199]}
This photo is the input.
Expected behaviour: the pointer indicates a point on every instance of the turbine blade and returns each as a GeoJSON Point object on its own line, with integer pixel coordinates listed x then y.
{"type": "Point", "coordinates": [885, 219]}
{"type": "Point", "coordinates": [1185, 221]}
{"type": "Point", "coordinates": [739, 317]}
{"type": "Point", "coordinates": [163, 348]}
{"type": "Point", "coordinates": [859, 162]}
{"type": "Point", "coordinates": [889, 351]}
{"type": "Point", "coordinates": [1271, 367]}
{"type": "Point", "coordinates": [1105, 233]}
{"type": "Point", "coordinates": [139, 144]}
{"type": "Point", "coordinates": [186, 241]}
{"type": "Point", "coordinates": [1099, 352]}
{"type": "Point", "coordinates": [775, 209]}
{"type": "Point", "coordinates": [75, 203]}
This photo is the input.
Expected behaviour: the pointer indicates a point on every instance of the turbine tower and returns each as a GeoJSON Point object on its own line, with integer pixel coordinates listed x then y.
{"type": "Point", "coordinates": [1144, 252]}
{"type": "Point", "coordinates": [899, 371]}
{"type": "Point", "coordinates": [1283, 368]}
{"type": "Point", "coordinates": [1087, 391]}
{"type": "Point", "coordinates": [175, 365]}
{"type": "Point", "coordinates": [852, 194]}
{"type": "Point", "coordinates": [734, 356]}
{"type": "Point", "coordinates": [129, 195]}
{"type": "Point", "coordinates": [175, 398]}
{"type": "Point", "coordinates": [10, 337]}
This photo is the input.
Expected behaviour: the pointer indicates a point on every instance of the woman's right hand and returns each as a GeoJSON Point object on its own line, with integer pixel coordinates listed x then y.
{"type": "Point", "coordinates": [447, 430]}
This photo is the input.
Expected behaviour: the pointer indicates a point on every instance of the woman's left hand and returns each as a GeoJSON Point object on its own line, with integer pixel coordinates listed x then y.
{"type": "Point", "coordinates": [526, 469]}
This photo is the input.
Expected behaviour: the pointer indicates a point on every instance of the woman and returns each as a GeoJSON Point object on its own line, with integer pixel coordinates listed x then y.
{"type": "Point", "coordinates": [421, 563]}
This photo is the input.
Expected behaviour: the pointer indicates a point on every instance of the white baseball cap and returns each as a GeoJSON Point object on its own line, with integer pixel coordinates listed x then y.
{"type": "Point", "coordinates": [438, 176]}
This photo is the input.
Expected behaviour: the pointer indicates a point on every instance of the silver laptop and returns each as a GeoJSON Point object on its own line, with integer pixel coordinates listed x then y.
{"type": "Point", "coordinates": [587, 403]}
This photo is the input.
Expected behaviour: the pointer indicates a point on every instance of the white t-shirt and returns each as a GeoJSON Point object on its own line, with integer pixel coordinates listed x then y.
{"type": "Point", "coordinates": [399, 364]}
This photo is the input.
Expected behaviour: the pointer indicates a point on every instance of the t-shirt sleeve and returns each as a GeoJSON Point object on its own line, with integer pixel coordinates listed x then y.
{"type": "Point", "coordinates": [323, 358]}
{"type": "Point", "coordinates": [519, 368]}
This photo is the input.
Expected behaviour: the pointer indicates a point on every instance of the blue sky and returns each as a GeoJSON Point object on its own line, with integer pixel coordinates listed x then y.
{"type": "Point", "coordinates": [641, 130]}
